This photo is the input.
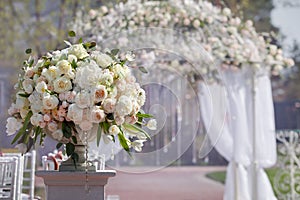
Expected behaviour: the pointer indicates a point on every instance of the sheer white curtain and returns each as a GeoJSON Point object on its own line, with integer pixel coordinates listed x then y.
{"type": "Point", "coordinates": [235, 140]}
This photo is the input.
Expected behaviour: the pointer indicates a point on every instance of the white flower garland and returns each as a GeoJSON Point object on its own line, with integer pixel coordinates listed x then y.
{"type": "Point", "coordinates": [232, 43]}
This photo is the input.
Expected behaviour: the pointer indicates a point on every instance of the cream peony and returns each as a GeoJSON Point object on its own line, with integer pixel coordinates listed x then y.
{"type": "Point", "coordinates": [50, 101]}
{"type": "Point", "coordinates": [124, 106]}
{"type": "Point", "coordinates": [88, 75]}
{"type": "Point", "coordinates": [83, 99]}
{"type": "Point", "coordinates": [75, 113]}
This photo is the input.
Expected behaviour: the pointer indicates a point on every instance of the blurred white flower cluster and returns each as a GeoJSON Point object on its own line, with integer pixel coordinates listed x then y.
{"type": "Point", "coordinates": [78, 89]}
{"type": "Point", "coordinates": [232, 43]}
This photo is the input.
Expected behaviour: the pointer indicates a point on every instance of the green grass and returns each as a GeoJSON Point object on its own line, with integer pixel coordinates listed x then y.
{"type": "Point", "coordinates": [217, 176]}
{"type": "Point", "coordinates": [220, 176]}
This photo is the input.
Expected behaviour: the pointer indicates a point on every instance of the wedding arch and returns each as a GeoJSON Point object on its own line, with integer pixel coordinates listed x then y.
{"type": "Point", "coordinates": [244, 60]}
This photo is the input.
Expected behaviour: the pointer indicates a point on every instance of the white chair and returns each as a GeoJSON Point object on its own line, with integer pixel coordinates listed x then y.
{"type": "Point", "coordinates": [25, 174]}
{"type": "Point", "coordinates": [29, 173]}
{"type": "Point", "coordinates": [8, 177]}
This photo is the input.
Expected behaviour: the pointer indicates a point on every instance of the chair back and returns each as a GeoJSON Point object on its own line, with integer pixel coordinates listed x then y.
{"type": "Point", "coordinates": [8, 177]}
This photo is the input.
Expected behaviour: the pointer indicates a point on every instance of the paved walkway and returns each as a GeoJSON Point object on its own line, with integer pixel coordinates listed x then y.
{"type": "Point", "coordinates": [172, 183]}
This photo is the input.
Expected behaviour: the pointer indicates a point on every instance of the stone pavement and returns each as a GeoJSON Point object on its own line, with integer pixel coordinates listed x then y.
{"type": "Point", "coordinates": [171, 183]}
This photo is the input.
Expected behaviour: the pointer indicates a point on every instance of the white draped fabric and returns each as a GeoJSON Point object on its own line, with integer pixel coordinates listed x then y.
{"type": "Point", "coordinates": [235, 139]}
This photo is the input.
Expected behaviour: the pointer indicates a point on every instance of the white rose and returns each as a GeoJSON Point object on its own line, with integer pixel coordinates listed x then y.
{"type": "Point", "coordinates": [196, 23]}
{"type": "Point", "coordinates": [124, 106]}
{"type": "Point", "coordinates": [57, 135]}
{"type": "Point", "coordinates": [51, 73]}
{"type": "Point", "coordinates": [62, 84]}
{"type": "Point", "coordinates": [97, 115]}
{"type": "Point", "coordinates": [100, 93]}
{"type": "Point", "coordinates": [186, 22]}
{"type": "Point", "coordinates": [102, 59]}
{"type": "Point", "coordinates": [226, 11]}
{"type": "Point", "coordinates": [50, 101]}
{"type": "Point", "coordinates": [83, 99]}
{"type": "Point", "coordinates": [28, 85]}
{"type": "Point", "coordinates": [273, 49]}
{"type": "Point", "coordinates": [56, 56]}
{"type": "Point", "coordinates": [114, 130]}
{"type": "Point", "coordinates": [279, 57]}
{"type": "Point", "coordinates": [79, 51]}
{"type": "Point", "coordinates": [64, 66]}
{"type": "Point", "coordinates": [109, 105]}
{"type": "Point", "coordinates": [289, 62]}
{"type": "Point", "coordinates": [107, 79]}
{"type": "Point", "coordinates": [12, 125]}
{"type": "Point", "coordinates": [152, 124]}
{"type": "Point", "coordinates": [75, 113]}
{"type": "Point", "coordinates": [36, 119]}
{"type": "Point", "coordinates": [41, 87]}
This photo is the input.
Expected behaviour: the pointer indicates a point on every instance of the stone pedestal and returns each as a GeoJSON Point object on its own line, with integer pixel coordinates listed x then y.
{"type": "Point", "coordinates": [72, 185]}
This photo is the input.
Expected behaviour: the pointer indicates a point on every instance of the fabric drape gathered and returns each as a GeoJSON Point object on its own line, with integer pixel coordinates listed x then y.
{"type": "Point", "coordinates": [235, 140]}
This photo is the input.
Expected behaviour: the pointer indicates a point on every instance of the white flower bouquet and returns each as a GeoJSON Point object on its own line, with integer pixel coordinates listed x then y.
{"type": "Point", "coordinates": [78, 90]}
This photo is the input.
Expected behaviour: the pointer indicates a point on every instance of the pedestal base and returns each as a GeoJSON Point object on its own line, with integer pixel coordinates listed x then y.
{"type": "Point", "coordinates": [72, 185]}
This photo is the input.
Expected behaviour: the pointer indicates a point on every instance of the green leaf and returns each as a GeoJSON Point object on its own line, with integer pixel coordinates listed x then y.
{"type": "Point", "coordinates": [80, 40]}
{"type": "Point", "coordinates": [144, 115]}
{"type": "Point", "coordinates": [114, 52]}
{"type": "Point", "coordinates": [24, 95]}
{"type": "Point", "coordinates": [66, 129]}
{"type": "Point", "coordinates": [75, 158]}
{"type": "Point", "coordinates": [38, 131]}
{"type": "Point", "coordinates": [71, 33]}
{"type": "Point", "coordinates": [74, 139]}
{"type": "Point", "coordinates": [135, 129]}
{"type": "Point", "coordinates": [74, 64]}
{"type": "Point", "coordinates": [123, 142]}
{"type": "Point", "coordinates": [28, 51]}
{"type": "Point", "coordinates": [99, 132]}
{"type": "Point", "coordinates": [31, 62]}
{"type": "Point", "coordinates": [143, 69]}
{"type": "Point", "coordinates": [105, 126]}
{"type": "Point", "coordinates": [23, 129]}
{"type": "Point", "coordinates": [70, 148]}
{"type": "Point", "coordinates": [59, 145]}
